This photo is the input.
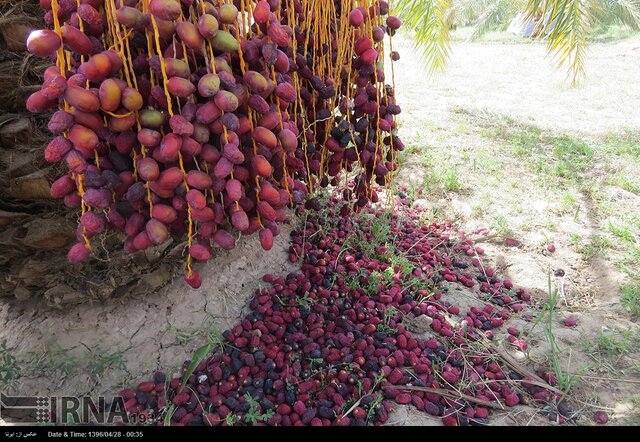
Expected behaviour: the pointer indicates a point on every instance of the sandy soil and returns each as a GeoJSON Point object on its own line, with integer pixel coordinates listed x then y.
{"type": "Point", "coordinates": [520, 80]}
{"type": "Point", "coordinates": [459, 126]}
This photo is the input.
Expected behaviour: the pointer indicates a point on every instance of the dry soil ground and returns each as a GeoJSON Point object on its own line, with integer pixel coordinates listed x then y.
{"type": "Point", "coordinates": [498, 140]}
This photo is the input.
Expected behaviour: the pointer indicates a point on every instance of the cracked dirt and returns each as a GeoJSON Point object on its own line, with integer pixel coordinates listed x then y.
{"type": "Point", "coordinates": [95, 349]}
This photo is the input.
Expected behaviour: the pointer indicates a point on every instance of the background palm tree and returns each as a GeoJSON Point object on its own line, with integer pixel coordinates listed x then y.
{"type": "Point", "coordinates": [565, 24]}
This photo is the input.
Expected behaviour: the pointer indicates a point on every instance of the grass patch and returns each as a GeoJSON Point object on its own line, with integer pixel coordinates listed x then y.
{"type": "Point", "coordinates": [624, 150]}
{"type": "Point", "coordinates": [630, 299]}
{"type": "Point", "coordinates": [444, 179]}
{"type": "Point", "coordinates": [54, 360]}
{"type": "Point", "coordinates": [568, 204]}
{"type": "Point", "coordinates": [527, 142]}
{"type": "Point", "coordinates": [633, 419]}
{"type": "Point", "coordinates": [208, 331]}
{"type": "Point", "coordinates": [609, 33]}
{"type": "Point", "coordinates": [568, 160]}
{"type": "Point", "coordinates": [413, 149]}
{"type": "Point", "coordinates": [99, 362]}
{"type": "Point", "coordinates": [626, 143]}
{"type": "Point", "coordinates": [623, 181]}
{"type": "Point", "coordinates": [631, 261]}
{"type": "Point", "coordinates": [572, 157]}
{"type": "Point", "coordinates": [556, 156]}
{"type": "Point", "coordinates": [622, 232]}
{"type": "Point", "coordinates": [597, 246]}
{"type": "Point", "coordinates": [440, 177]}
{"type": "Point", "coordinates": [615, 342]}
{"type": "Point", "coordinates": [502, 227]}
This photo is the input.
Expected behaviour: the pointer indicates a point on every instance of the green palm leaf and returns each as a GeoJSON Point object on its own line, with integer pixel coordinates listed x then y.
{"type": "Point", "coordinates": [624, 12]}
{"type": "Point", "coordinates": [565, 24]}
{"type": "Point", "coordinates": [430, 20]}
{"type": "Point", "coordinates": [492, 13]}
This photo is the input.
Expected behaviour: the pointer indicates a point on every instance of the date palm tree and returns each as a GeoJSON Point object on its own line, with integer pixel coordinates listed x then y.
{"type": "Point", "coordinates": [564, 23]}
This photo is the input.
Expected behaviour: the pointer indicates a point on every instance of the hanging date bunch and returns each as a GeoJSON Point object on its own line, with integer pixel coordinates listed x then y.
{"type": "Point", "coordinates": [207, 119]}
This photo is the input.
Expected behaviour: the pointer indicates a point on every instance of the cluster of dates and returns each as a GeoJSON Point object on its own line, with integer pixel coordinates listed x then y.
{"type": "Point", "coordinates": [208, 117]}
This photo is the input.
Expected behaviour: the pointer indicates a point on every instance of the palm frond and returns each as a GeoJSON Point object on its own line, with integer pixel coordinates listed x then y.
{"type": "Point", "coordinates": [468, 10]}
{"type": "Point", "coordinates": [494, 13]}
{"type": "Point", "coordinates": [452, 15]}
{"type": "Point", "coordinates": [624, 12]}
{"type": "Point", "coordinates": [565, 24]}
{"type": "Point", "coordinates": [429, 19]}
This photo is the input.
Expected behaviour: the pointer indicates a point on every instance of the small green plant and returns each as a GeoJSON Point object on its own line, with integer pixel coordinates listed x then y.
{"type": "Point", "coordinates": [417, 284]}
{"type": "Point", "coordinates": [625, 143]}
{"type": "Point", "coordinates": [622, 232]}
{"type": "Point", "coordinates": [315, 363]}
{"type": "Point", "coordinates": [633, 417]}
{"type": "Point", "coordinates": [353, 281]}
{"type": "Point", "coordinates": [385, 326]}
{"type": "Point", "coordinates": [374, 282]}
{"type": "Point", "coordinates": [100, 363]}
{"type": "Point", "coordinates": [566, 379]}
{"type": "Point", "coordinates": [412, 149]}
{"type": "Point", "coordinates": [53, 361]}
{"type": "Point", "coordinates": [184, 336]}
{"type": "Point", "coordinates": [598, 246]}
{"type": "Point", "coordinates": [232, 419]}
{"type": "Point", "coordinates": [381, 228]}
{"type": "Point", "coordinates": [573, 156]}
{"type": "Point", "coordinates": [630, 299]}
{"type": "Point", "coordinates": [168, 414]}
{"type": "Point", "coordinates": [502, 227]}
{"type": "Point", "coordinates": [360, 386]}
{"type": "Point", "coordinates": [254, 414]}
{"type": "Point", "coordinates": [403, 263]}
{"type": "Point", "coordinates": [569, 203]}
{"type": "Point", "coordinates": [208, 330]}
{"type": "Point", "coordinates": [615, 342]}
{"type": "Point", "coordinates": [377, 280]}
{"type": "Point", "coordinates": [198, 356]}
{"type": "Point", "coordinates": [575, 238]}
{"type": "Point", "coordinates": [63, 361]}
{"type": "Point", "coordinates": [526, 142]}
{"type": "Point", "coordinates": [412, 191]}
{"type": "Point", "coordinates": [450, 179]}
{"type": "Point", "coordinates": [371, 408]}
{"type": "Point", "coordinates": [213, 335]}
{"type": "Point", "coordinates": [625, 182]}
{"type": "Point", "coordinates": [36, 363]}
{"type": "Point", "coordinates": [9, 369]}
{"type": "Point", "coordinates": [442, 179]}
{"type": "Point", "coordinates": [305, 301]}
{"type": "Point", "coordinates": [631, 261]}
